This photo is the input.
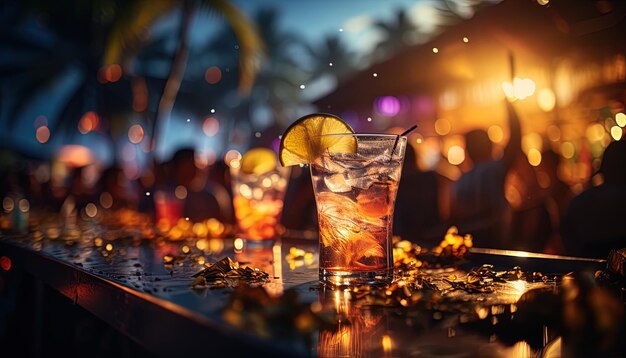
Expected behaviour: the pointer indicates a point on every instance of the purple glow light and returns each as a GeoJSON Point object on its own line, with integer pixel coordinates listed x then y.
{"type": "Point", "coordinates": [387, 105]}
{"type": "Point", "coordinates": [276, 144]}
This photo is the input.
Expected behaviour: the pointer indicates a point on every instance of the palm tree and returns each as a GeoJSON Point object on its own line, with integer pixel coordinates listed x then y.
{"type": "Point", "coordinates": [397, 35]}
{"type": "Point", "coordinates": [402, 32]}
{"type": "Point", "coordinates": [86, 32]}
{"type": "Point", "coordinates": [276, 86]}
{"type": "Point", "coordinates": [127, 35]}
{"type": "Point", "coordinates": [333, 58]}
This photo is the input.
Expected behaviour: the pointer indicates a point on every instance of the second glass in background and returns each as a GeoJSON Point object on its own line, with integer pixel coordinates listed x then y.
{"type": "Point", "coordinates": [259, 186]}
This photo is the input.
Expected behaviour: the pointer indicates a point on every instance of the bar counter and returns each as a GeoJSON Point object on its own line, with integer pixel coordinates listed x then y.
{"type": "Point", "coordinates": [144, 289]}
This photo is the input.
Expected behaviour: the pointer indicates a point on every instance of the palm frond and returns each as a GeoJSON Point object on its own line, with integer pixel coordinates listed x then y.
{"type": "Point", "coordinates": [130, 29]}
{"type": "Point", "coordinates": [251, 47]}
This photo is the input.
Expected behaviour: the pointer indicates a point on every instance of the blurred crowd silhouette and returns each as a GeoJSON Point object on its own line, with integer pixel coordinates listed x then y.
{"type": "Point", "coordinates": [543, 215]}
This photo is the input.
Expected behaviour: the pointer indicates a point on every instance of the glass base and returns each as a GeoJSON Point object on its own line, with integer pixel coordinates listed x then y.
{"type": "Point", "coordinates": [356, 278]}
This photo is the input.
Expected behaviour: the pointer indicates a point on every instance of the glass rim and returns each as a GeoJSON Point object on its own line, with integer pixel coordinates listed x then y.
{"type": "Point", "coordinates": [373, 135]}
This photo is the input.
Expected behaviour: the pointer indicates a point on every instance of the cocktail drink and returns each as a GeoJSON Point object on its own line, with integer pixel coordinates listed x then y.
{"type": "Point", "coordinates": [169, 209]}
{"type": "Point", "coordinates": [258, 193]}
{"type": "Point", "coordinates": [355, 180]}
{"type": "Point", "coordinates": [355, 195]}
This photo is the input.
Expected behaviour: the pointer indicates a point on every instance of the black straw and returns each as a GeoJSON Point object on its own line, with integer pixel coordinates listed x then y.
{"type": "Point", "coordinates": [395, 143]}
{"type": "Point", "coordinates": [408, 131]}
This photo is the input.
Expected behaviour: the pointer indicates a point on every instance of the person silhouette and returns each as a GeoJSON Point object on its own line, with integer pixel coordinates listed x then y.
{"type": "Point", "coordinates": [558, 195]}
{"type": "Point", "coordinates": [181, 192]}
{"type": "Point", "coordinates": [479, 205]}
{"type": "Point", "coordinates": [199, 203]}
{"type": "Point", "coordinates": [417, 206]}
{"type": "Point", "coordinates": [593, 224]}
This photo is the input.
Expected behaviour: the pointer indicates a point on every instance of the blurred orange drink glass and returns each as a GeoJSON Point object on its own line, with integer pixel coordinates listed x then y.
{"type": "Point", "coordinates": [259, 183]}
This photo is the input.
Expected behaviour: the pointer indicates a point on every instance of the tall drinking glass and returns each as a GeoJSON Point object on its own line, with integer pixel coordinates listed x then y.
{"type": "Point", "coordinates": [258, 201]}
{"type": "Point", "coordinates": [355, 196]}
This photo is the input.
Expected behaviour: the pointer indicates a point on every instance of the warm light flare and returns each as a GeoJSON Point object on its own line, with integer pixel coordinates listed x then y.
{"type": "Point", "coordinates": [456, 155]}
{"type": "Point", "coordinates": [135, 133]}
{"type": "Point", "coordinates": [568, 150]}
{"type": "Point", "coordinates": [213, 75]}
{"type": "Point", "coordinates": [595, 132]}
{"type": "Point", "coordinates": [442, 126]}
{"type": "Point", "coordinates": [521, 88]}
{"type": "Point", "coordinates": [616, 132]}
{"type": "Point", "coordinates": [8, 204]}
{"type": "Point", "coordinates": [88, 122]}
{"type": "Point", "coordinates": [546, 99]}
{"type": "Point", "coordinates": [534, 157]}
{"type": "Point", "coordinates": [211, 126]}
{"type": "Point", "coordinates": [113, 72]}
{"type": "Point", "coordinates": [180, 192]}
{"type": "Point", "coordinates": [386, 343]}
{"type": "Point", "coordinates": [495, 133]}
{"type": "Point", "coordinates": [42, 134]}
{"type": "Point", "coordinates": [91, 210]}
{"type": "Point", "coordinates": [5, 263]}
{"type": "Point", "coordinates": [232, 155]}
{"type": "Point", "coordinates": [532, 140]}
{"type": "Point", "coordinates": [74, 155]}
{"type": "Point", "coordinates": [620, 119]}
{"type": "Point", "coordinates": [554, 133]}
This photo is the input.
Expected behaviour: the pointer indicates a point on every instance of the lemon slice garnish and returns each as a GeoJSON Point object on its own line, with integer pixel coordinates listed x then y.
{"type": "Point", "coordinates": [258, 161]}
{"type": "Point", "coordinates": [304, 140]}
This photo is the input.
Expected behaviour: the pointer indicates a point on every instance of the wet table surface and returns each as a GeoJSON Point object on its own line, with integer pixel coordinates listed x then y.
{"type": "Point", "coordinates": [126, 283]}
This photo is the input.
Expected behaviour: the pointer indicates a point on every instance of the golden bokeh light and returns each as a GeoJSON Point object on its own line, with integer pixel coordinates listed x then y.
{"type": "Point", "coordinates": [8, 204]}
{"type": "Point", "coordinates": [235, 163]}
{"type": "Point", "coordinates": [568, 150]}
{"type": "Point", "coordinates": [386, 343]}
{"type": "Point", "coordinates": [202, 244]}
{"type": "Point", "coordinates": [534, 157]}
{"type": "Point", "coordinates": [91, 210]}
{"type": "Point", "coordinates": [495, 133]}
{"type": "Point", "coordinates": [238, 244]}
{"type": "Point", "coordinates": [232, 155]}
{"type": "Point", "coordinates": [546, 99]}
{"type": "Point", "coordinates": [442, 126]}
{"type": "Point", "coordinates": [521, 88]}
{"type": "Point", "coordinates": [532, 141]}
{"type": "Point", "coordinates": [616, 132]}
{"type": "Point", "coordinates": [456, 155]}
{"type": "Point", "coordinates": [620, 119]}
{"type": "Point", "coordinates": [595, 132]}
{"type": "Point", "coordinates": [554, 133]}
{"type": "Point", "coordinates": [181, 192]}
